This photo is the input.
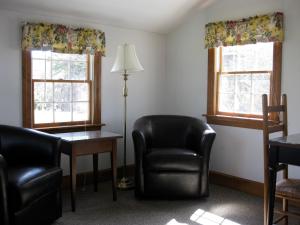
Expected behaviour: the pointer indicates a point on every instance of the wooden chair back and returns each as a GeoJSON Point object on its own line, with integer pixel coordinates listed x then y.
{"type": "Point", "coordinates": [274, 120]}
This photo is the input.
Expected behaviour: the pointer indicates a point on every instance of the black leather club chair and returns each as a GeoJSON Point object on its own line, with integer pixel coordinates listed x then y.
{"type": "Point", "coordinates": [172, 156]}
{"type": "Point", "coordinates": [30, 177]}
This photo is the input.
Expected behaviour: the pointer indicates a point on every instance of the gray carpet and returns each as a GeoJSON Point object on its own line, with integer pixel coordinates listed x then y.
{"type": "Point", "coordinates": [223, 207]}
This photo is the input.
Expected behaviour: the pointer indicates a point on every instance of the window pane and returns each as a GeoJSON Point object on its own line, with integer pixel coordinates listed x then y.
{"type": "Point", "coordinates": [242, 103]}
{"type": "Point", "coordinates": [60, 56]}
{"type": "Point", "coordinates": [43, 92]}
{"type": "Point", "coordinates": [48, 69]}
{"type": "Point", "coordinates": [81, 92]}
{"type": "Point", "coordinates": [62, 92]}
{"type": "Point", "coordinates": [261, 84]}
{"type": "Point", "coordinates": [49, 92]}
{"type": "Point", "coordinates": [62, 112]}
{"type": "Point", "coordinates": [38, 54]}
{"type": "Point", "coordinates": [48, 55]}
{"type": "Point", "coordinates": [257, 104]}
{"type": "Point", "coordinates": [243, 83]}
{"type": "Point", "coordinates": [227, 83]}
{"type": "Point", "coordinates": [78, 57]}
{"type": "Point", "coordinates": [243, 95]}
{"type": "Point", "coordinates": [39, 92]}
{"type": "Point", "coordinates": [253, 57]}
{"type": "Point", "coordinates": [38, 69]}
{"type": "Point", "coordinates": [80, 111]}
{"type": "Point", "coordinates": [59, 69]}
{"type": "Point", "coordinates": [78, 71]}
{"type": "Point", "coordinates": [226, 102]}
{"type": "Point", "coordinates": [43, 113]}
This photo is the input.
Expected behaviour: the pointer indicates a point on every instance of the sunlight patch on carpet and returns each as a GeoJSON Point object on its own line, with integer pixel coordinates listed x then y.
{"type": "Point", "coordinates": [206, 218]}
{"type": "Point", "coordinates": [174, 222]}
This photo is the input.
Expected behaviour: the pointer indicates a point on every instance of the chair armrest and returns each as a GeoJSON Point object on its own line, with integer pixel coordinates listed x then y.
{"type": "Point", "coordinates": [201, 141]}
{"type": "Point", "coordinates": [140, 148]}
{"type": "Point", "coordinates": [207, 140]}
{"type": "Point", "coordinates": [201, 138]}
{"type": "Point", "coordinates": [27, 146]}
{"type": "Point", "coordinates": [140, 144]}
{"type": "Point", "coordinates": [3, 192]}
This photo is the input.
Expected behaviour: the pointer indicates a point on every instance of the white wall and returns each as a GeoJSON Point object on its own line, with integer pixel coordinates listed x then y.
{"type": "Point", "coordinates": [236, 151]}
{"type": "Point", "coordinates": [145, 88]}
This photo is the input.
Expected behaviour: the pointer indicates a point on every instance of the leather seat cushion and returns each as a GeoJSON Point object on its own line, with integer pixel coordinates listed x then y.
{"type": "Point", "coordinates": [27, 183]}
{"type": "Point", "coordinates": [172, 159]}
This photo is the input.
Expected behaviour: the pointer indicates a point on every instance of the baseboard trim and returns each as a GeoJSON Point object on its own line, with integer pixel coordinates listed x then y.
{"type": "Point", "coordinates": [237, 183]}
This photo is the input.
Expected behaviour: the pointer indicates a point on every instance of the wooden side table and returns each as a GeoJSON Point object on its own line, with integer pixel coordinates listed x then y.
{"type": "Point", "coordinates": [90, 143]}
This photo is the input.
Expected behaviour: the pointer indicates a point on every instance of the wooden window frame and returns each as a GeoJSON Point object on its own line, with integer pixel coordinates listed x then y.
{"type": "Point", "coordinates": [95, 99]}
{"type": "Point", "coordinates": [240, 120]}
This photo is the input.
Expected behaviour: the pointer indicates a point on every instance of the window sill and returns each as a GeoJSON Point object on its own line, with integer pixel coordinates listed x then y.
{"type": "Point", "coordinates": [73, 128]}
{"type": "Point", "coordinates": [233, 121]}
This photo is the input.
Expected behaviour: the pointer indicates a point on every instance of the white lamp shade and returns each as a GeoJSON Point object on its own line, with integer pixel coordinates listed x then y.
{"type": "Point", "coordinates": [126, 60]}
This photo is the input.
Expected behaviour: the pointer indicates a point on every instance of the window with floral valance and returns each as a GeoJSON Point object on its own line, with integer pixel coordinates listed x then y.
{"type": "Point", "coordinates": [62, 39]}
{"type": "Point", "coordinates": [244, 62]}
{"type": "Point", "coordinates": [61, 76]}
{"type": "Point", "coordinates": [264, 28]}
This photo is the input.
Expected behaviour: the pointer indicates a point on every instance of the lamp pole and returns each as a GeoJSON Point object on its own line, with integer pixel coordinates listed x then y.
{"type": "Point", "coordinates": [126, 61]}
{"type": "Point", "coordinates": [125, 94]}
{"type": "Point", "coordinates": [125, 182]}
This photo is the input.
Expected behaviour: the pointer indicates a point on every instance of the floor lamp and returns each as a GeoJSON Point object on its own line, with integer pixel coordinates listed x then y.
{"type": "Point", "coordinates": [126, 62]}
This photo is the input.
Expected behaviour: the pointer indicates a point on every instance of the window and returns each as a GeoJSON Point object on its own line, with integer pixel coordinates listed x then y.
{"type": "Point", "coordinates": [237, 77]}
{"type": "Point", "coordinates": [61, 90]}
{"type": "Point", "coordinates": [244, 74]}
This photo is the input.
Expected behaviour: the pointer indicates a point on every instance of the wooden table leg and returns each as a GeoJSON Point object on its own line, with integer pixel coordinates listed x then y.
{"type": "Point", "coordinates": [73, 173]}
{"type": "Point", "coordinates": [272, 187]}
{"type": "Point", "coordinates": [113, 158]}
{"type": "Point", "coordinates": [266, 194]}
{"type": "Point", "coordinates": [95, 169]}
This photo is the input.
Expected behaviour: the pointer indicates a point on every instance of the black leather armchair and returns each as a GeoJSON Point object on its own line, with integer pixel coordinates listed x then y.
{"type": "Point", "coordinates": [30, 177]}
{"type": "Point", "coordinates": [172, 156]}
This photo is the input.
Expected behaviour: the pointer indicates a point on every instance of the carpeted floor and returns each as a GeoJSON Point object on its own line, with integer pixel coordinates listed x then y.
{"type": "Point", "coordinates": [223, 207]}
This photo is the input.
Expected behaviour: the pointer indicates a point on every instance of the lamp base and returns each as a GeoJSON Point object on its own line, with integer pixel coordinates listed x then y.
{"type": "Point", "coordinates": [125, 183]}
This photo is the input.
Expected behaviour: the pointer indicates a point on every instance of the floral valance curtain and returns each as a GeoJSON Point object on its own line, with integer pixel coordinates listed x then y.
{"type": "Point", "coordinates": [265, 28]}
{"type": "Point", "coordinates": [62, 39]}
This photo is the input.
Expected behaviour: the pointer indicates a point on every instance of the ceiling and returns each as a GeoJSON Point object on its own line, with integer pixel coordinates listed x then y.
{"type": "Point", "coordinates": [158, 16]}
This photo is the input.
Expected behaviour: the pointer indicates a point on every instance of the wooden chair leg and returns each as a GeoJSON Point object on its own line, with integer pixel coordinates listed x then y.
{"type": "Point", "coordinates": [285, 208]}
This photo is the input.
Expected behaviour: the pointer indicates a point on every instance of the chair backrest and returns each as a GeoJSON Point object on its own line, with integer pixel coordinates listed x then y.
{"type": "Point", "coordinates": [274, 120]}
{"type": "Point", "coordinates": [28, 147]}
{"type": "Point", "coordinates": [170, 130]}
